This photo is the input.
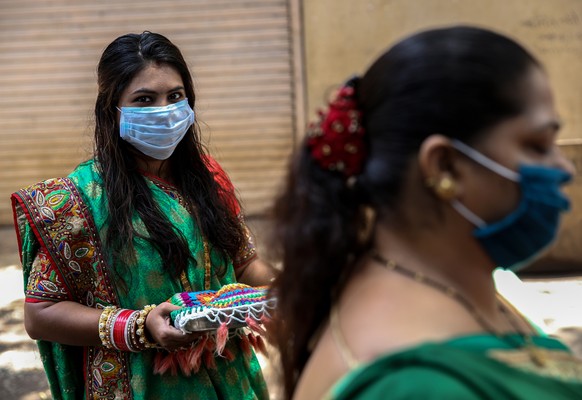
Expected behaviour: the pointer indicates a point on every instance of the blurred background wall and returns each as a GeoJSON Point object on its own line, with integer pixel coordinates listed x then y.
{"type": "Point", "coordinates": [343, 37]}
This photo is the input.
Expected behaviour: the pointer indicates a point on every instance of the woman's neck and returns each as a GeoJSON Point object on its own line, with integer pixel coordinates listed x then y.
{"type": "Point", "coordinates": [158, 168]}
{"type": "Point", "coordinates": [453, 261]}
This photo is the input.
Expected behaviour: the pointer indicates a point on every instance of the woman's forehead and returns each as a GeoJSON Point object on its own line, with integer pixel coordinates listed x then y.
{"type": "Point", "coordinates": [155, 77]}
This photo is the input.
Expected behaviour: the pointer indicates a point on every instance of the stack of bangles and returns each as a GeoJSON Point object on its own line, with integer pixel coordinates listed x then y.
{"type": "Point", "coordinates": [124, 329]}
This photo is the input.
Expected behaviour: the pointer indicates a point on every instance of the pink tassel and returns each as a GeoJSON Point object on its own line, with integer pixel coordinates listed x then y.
{"type": "Point", "coordinates": [173, 364]}
{"type": "Point", "coordinates": [209, 359]}
{"type": "Point", "coordinates": [229, 355]}
{"type": "Point", "coordinates": [252, 340]}
{"type": "Point", "coordinates": [158, 362]}
{"type": "Point", "coordinates": [262, 347]}
{"type": "Point", "coordinates": [221, 338]}
{"type": "Point", "coordinates": [208, 353]}
{"type": "Point", "coordinates": [210, 343]}
{"type": "Point", "coordinates": [245, 345]}
{"type": "Point", "coordinates": [164, 363]}
{"type": "Point", "coordinates": [181, 357]}
{"type": "Point", "coordinates": [195, 356]}
{"type": "Point", "coordinates": [255, 326]}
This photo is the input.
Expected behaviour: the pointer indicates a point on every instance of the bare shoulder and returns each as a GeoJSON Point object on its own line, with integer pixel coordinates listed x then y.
{"type": "Point", "coordinates": [375, 317]}
{"type": "Point", "coordinates": [381, 314]}
{"type": "Point", "coordinates": [324, 368]}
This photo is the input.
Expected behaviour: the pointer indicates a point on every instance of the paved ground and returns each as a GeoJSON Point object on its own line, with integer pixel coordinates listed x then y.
{"type": "Point", "coordinates": [553, 303]}
{"type": "Point", "coordinates": [21, 373]}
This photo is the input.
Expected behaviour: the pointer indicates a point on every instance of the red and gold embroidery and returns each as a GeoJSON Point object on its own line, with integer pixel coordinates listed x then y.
{"type": "Point", "coordinates": [45, 282]}
{"type": "Point", "coordinates": [65, 228]}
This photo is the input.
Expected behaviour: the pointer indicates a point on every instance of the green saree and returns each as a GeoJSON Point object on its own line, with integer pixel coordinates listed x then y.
{"type": "Point", "coordinates": [468, 368]}
{"type": "Point", "coordinates": [60, 225]}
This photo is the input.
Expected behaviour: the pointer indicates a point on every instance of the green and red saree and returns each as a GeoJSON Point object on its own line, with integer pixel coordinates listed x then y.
{"type": "Point", "coordinates": [60, 227]}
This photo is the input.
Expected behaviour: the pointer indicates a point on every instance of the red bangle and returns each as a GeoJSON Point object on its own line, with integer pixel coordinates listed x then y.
{"type": "Point", "coordinates": [119, 330]}
{"type": "Point", "coordinates": [111, 323]}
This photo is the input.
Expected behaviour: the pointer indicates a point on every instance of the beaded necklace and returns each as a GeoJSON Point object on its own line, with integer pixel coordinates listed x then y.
{"type": "Point", "coordinates": [534, 354]}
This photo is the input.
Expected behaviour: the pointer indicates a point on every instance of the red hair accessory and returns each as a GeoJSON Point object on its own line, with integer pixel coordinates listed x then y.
{"type": "Point", "coordinates": [336, 141]}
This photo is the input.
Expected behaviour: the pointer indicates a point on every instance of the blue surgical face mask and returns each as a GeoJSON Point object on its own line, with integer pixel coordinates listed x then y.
{"type": "Point", "coordinates": [156, 131]}
{"type": "Point", "coordinates": [520, 236]}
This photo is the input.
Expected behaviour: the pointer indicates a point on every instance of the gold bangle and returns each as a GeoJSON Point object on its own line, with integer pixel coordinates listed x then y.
{"type": "Point", "coordinates": [130, 335]}
{"type": "Point", "coordinates": [140, 327]}
{"type": "Point", "coordinates": [104, 331]}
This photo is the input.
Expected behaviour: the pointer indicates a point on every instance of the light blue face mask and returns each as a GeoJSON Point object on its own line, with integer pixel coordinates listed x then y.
{"type": "Point", "coordinates": [523, 234]}
{"type": "Point", "coordinates": [156, 131]}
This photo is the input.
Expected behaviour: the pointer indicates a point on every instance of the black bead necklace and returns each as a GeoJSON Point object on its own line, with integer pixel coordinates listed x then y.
{"type": "Point", "coordinates": [535, 356]}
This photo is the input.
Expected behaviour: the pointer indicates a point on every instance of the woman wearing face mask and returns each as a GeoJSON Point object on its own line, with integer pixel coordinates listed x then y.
{"type": "Point", "coordinates": [151, 215]}
{"type": "Point", "coordinates": [436, 166]}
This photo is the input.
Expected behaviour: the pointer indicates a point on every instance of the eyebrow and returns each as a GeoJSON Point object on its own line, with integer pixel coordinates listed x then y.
{"type": "Point", "coordinates": [150, 91]}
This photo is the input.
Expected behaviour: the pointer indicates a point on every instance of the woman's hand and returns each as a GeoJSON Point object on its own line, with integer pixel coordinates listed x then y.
{"type": "Point", "coordinates": [161, 331]}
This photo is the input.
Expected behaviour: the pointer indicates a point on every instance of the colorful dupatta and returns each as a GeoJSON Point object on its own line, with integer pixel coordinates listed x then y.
{"type": "Point", "coordinates": [60, 225]}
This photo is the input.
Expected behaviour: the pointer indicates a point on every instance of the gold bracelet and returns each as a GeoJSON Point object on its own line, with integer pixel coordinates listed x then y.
{"type": "Point", "coordinates": [104, 332]}
{"type": "Point", "coordinates": [131, 336]}
{"type": "Point", "coordinates": [140, 324]}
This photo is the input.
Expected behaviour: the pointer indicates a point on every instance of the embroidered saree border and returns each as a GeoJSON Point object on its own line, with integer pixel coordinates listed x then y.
{"type": "Point", "coordinates": [45, 282]}
{"type": "Point", "coordinates": [61, 221]}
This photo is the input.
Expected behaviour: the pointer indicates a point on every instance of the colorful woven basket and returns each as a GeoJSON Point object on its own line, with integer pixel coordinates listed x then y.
{"type": "Point", "coordinates": [236, 310]}
{"type": "Point", "coordinates": [236, 305]}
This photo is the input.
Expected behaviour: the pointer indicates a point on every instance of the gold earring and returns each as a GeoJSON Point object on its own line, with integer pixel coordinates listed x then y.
{"type": "Point", "coordinates": [446, 188]}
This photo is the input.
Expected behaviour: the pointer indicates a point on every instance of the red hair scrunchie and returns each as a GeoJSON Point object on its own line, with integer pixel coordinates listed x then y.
{"type": "Point", "coordinates": [336, 140]}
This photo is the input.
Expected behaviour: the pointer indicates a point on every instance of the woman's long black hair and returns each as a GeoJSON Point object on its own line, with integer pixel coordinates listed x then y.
{"type": "Point", "coordinates": [126, 188]}
{"type": "Point", "coordinates": [456, 81]}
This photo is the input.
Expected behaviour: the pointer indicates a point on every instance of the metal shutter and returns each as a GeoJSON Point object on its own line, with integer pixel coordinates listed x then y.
{"type": "Point", "coordinates": [239, 51]}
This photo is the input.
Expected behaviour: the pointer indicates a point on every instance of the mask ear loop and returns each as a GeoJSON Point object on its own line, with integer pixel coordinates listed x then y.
{"type": "Point", "coordinates": [485, 161]}
{"type": "Point", "coordinates": [467, 214]}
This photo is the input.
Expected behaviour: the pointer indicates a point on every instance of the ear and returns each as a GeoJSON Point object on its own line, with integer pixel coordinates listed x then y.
{"type": "Point", "coordinates": [438, 164]}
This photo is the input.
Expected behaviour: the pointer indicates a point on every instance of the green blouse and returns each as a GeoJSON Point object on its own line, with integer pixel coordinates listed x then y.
{"type": "Point", "coordinates": [469, 367]}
